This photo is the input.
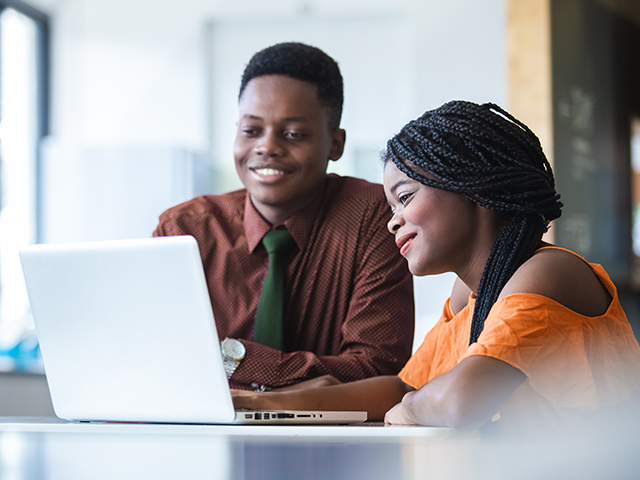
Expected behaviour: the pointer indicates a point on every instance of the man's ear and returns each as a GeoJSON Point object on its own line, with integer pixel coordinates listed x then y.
{"type": "Point", "coordinates": [338, 138]}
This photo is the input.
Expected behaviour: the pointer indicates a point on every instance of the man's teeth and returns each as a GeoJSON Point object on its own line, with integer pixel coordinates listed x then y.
{"type": "Point", "coordinates": [268, 171]}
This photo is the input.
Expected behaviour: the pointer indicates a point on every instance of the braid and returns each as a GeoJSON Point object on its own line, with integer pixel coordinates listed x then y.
{"type": "Point", "coordinates": [517, 242]}
{"type": "Point", "coordinates": [493, 159]}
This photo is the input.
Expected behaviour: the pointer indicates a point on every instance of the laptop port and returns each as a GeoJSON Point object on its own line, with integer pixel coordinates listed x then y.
{"type": "Point", "coordinates": [286, 415]}
{"type": "Point", "coordinates": [257, 416]}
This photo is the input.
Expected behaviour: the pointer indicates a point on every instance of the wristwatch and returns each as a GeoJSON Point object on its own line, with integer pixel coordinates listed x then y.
{"type": "Point", "coordinates": [233, 352]}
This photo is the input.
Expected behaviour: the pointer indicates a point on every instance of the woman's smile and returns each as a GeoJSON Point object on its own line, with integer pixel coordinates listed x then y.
{"type": "Point", "coordinates": [404, 242]}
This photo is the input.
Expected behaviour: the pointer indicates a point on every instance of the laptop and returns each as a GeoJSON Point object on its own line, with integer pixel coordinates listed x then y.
{"type": "Point", "coordinates": [127, 334]}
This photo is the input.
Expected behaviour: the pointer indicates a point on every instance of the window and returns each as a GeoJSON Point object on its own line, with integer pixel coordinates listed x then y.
{"type": "Point", "coordinates": [23, 122]}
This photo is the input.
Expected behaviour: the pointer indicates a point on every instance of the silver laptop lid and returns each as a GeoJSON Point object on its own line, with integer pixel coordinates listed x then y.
{"type": "Point", "coordinates": [126, 331]}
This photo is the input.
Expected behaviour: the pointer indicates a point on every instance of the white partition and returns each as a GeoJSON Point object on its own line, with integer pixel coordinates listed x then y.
{"type": "Point", "coordinates": [106, 193]}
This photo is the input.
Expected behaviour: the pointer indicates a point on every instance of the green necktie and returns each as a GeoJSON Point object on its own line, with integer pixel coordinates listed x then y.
{"type": "Point", "coordinates": [268, 328]}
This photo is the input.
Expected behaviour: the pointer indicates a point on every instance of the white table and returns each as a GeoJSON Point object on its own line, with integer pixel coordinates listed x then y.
{"type": "Point", "coordinates": [51, 449]}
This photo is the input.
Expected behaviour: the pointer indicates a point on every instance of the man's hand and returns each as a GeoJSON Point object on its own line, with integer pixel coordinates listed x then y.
{"type": "Point", "coordinates": [241, 393]}
{"type": "Point", "coordinates": [273, 400]}
{"type": "Point", "coordinates": [246, 399]}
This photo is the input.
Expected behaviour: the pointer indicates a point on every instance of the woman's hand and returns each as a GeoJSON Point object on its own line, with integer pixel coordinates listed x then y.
{"type": "Point", "coordinates": [398, 416]}
{"type": "Point", "coordinates": [465, 397]}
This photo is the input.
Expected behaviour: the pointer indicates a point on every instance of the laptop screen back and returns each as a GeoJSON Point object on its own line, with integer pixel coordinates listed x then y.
{"type": "Point", "coordinates": [127, 332]}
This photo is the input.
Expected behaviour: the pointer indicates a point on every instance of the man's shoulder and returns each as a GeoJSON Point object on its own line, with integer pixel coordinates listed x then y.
{"type": "Point", "coordinates": [353, 192]}
{"type": "Point", "coordinates": [356, 205]}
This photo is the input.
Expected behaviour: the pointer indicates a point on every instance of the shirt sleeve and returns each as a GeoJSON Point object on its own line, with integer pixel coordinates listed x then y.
{"type": "Point", "coordinates": [425, 362]}
{"type": "Point", "coordinates": [183, 220]}
{"type": "Point", "coordinates": [377, 333]}
{"type": "Point", "coordinates": [572, 360]}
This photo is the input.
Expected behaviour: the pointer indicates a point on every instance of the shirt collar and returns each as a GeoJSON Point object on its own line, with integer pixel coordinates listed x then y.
{"type": "Point", "coordinates": [298, 225]}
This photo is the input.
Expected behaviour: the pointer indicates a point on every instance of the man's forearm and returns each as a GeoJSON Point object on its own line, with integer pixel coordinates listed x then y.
{"type": "Point", "coordinates": [373, 395]}
{"type": "Point", "coordinates": [270, 367]}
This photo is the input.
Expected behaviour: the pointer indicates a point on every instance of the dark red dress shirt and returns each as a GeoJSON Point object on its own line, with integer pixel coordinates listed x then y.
{"type": "Point", "coordinates": [348, 303]}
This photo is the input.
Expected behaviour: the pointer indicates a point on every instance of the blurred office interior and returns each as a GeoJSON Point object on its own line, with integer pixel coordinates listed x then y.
{"type": "Point", "coordinates": [112, 111]}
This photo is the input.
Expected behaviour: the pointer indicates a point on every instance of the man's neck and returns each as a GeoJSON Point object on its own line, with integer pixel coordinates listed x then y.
{"type": "Point", "coordinates": [276, 215]}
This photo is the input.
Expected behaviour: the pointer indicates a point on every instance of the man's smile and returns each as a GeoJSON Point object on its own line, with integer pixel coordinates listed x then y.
{"type": "Point", "coordinates": [268, 173]}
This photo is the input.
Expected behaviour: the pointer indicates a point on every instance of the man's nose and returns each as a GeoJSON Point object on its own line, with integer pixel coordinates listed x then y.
{"type": "Point", "coordinates": [268, 145]}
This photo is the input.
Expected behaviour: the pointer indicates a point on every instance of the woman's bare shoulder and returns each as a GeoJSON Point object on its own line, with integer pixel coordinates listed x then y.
{"type": "Point", "coordinates": [459, 296]}
{"type": "Point", "coordinates": [563, 277]}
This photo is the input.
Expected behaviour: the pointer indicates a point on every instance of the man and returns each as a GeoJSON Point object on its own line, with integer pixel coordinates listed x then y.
{"type": "Point", "coordinates": [347, 306]}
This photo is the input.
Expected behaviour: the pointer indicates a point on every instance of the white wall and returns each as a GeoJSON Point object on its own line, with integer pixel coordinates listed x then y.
{"type": "Point", "coordinates": [135, 74]}
{"type": "Point", "coordinates": [134, 71]}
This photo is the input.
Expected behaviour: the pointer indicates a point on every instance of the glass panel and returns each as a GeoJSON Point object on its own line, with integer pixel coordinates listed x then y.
{"type": "Point", "coordinates": [18, 141]}
{"type": "Point", "coordinates": [635, 200]}
{"type": "Point", "coordinates": [635, 182]}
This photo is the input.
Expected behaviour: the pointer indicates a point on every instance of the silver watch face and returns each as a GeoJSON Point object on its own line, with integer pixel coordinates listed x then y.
{"type": "Point", "coordinates": [233, 349]}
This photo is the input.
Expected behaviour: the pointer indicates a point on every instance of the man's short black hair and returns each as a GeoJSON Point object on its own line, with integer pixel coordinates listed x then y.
{"type": "Point", "coordinates": [302, 62]}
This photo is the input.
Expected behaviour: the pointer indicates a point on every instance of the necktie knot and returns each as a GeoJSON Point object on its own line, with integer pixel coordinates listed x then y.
{"type": "Point", "coordinates": [278, 242]}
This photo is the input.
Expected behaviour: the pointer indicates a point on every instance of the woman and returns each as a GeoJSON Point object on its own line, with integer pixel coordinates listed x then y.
{"type": "Point", "coordinates": [532, 334]}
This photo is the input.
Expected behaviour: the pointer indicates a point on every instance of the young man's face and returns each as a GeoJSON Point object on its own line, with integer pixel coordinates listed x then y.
{"type": "Point", "coordinates": [283, 145]}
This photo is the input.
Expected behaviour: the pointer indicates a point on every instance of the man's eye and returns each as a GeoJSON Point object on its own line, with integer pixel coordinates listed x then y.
{"type": "Point", "coordinates": [250, 131]}
{"type": "Point", "coordinates": [295, 135]}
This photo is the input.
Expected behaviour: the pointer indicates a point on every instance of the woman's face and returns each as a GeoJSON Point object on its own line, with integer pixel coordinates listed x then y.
{"type": "Point", "coordinates": [436, 231]}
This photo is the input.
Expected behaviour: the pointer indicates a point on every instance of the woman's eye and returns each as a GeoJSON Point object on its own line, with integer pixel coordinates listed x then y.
{"type": "Point", "coordinates": [404, 197]}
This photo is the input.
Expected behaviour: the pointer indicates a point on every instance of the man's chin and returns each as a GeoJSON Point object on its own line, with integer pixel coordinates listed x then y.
{"type": "Point", "coordinates": [259, 199]}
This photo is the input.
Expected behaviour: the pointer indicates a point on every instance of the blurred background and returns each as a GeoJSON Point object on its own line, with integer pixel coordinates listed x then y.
{"type": "Point", "coordinates": [113, 111]}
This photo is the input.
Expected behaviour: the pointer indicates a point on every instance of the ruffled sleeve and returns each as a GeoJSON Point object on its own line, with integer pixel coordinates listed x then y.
{"type": "Point", "coordinates": [440, 350]}
{"type": "Point", "coordinates": [571, 360]}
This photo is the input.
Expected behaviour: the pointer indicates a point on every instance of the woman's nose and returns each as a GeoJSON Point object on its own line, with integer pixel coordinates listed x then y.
{"type": "Point", "coordinates": [395, 223]}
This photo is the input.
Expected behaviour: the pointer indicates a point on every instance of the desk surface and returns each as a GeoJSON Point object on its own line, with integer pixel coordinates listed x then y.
{"type": "Point", "coordinates": [368, 431]}
{"type": "Point", "coordinates": [52, 449]}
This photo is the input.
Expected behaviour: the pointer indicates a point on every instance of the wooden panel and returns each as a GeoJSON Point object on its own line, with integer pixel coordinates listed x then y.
{"type": "Point", "coordinates": [529, 67]}
{"type": "Point", "coordinates": [529, 71]}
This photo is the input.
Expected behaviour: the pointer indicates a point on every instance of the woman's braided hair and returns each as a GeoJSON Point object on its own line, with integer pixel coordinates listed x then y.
{"type": "Point", "coordinates": [493, 159]}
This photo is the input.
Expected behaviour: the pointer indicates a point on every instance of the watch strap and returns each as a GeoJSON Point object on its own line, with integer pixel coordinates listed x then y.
{"type": "Point", "coordinates": [229, 366]}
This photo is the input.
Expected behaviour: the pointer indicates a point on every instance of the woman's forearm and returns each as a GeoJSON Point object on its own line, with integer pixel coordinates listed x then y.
{"type": "Point", "coordinates": [465, 397]}
{"type": "Point", "coordinates": [374, 395]}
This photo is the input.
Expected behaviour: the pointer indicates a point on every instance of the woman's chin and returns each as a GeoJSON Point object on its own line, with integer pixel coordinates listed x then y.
{"type": "Point", "coordinates": [420, 270]}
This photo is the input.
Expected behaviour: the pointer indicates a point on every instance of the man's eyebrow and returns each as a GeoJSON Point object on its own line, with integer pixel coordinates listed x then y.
{"type": "Point", "coordinates": [297, 119]}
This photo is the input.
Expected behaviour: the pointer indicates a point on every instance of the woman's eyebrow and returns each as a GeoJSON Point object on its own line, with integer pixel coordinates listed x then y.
{"type": "Point", "coordinates": [398, 184]}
